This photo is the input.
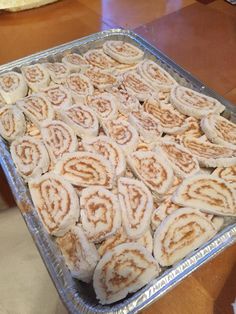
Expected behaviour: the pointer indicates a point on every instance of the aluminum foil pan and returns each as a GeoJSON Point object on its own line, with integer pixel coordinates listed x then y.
{"type": "Point", "coordinates": [79, 297]}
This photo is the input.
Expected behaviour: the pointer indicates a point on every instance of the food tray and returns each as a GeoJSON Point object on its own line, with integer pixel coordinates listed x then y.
{"type": "Point", "coordinates": [77, 296]}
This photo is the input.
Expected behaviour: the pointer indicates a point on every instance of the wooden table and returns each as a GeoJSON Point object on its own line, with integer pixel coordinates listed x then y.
{"type": "Point", "coordinates": [199, 35]}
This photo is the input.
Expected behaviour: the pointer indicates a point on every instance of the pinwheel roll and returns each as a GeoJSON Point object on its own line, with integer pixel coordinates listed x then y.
{"type": "Point", "coordinates": [56, 202]}
{"type": "Point", "coordinates": [108, 148]}
{"type": "Point", "coordinates": [155, 75]}
{"type": "Point", "coordinates": [194, 104]}
{"type": "Point", "coordinates": [59, 139]}
{"type": "Point", "coordinates": [32, 130]}
{"type": "Point", "coordinates": [120, 237]}
{"type": "Point", "coordinates": [219, 130]}
{"type": "Point", "coordinates": [124, 269]}
{"type": "Point", "coordinates": [208, 154]}
{"type": "Point", "coordinates": [122, 68]}
{"type": "Point", "coordinates": [123, 133]}
{"type": "Point", "coordinates": [85, 169]}
{"type": "Point", "coordinates": [97, 58]}
{"type": "Point", "coordinates": [126, 102]}
{"type": "Point", "coordinates": [75, 62]}
{"type": "Point", "coordinates": [36, 108]}
{"type": "Point", "coordinates": [208, 193]}
{"type": "Point", "coordinates": [2, 101]}
{"type": "Point", "coordinates": [175, 184]}
{"type": "Point", "coordinates": [162, 95]}
{"type": "Point", "coordinates": [166, 208]}
{"type": "Point", "coordinates": [30, 157]}
{"type": "Point", "coordinates": [12, 87]}
{"type": "Point", "coordinates": [80, 255]}
{"type": "Point", "coordinates": [153, 170]}
{"type": "Point", "coordinates": [135, 85]}
{"type": "Point", "coordinates": [194, 128]}
{"type": "Point", "coordinates": [181, 233]}
{"type": "Point", "coordinates": [58, 96]}
{"type": "Point", "coordinates": [122, 52]}
{"type": "Point", "coordinates": [36, 76]}
{"type": "Point", "coordinates": [182, 161]}
{"type": "Point", "coordinates": [82, 120]}
{"type": "Point", "coordinates": [105, 105]}
{"type": "Point", "coordinates": [171, 121]}
{"type": "Point", "coordinates": [147, 126]}
{"type": "Point", "coordinates": [12, 123]}
{"type": "Point", "coordinates": [228, 174]}
{"type": "Point", "coordinates": [100, 213]}
{"type": "Point", "coordinates": [136, 204]}
{"type": "Point", "coordinates": [80, 86]}
{"type": "Point", "coordinates": [101, 79]}
{"type": "Point", "coordinates": [57, 71]}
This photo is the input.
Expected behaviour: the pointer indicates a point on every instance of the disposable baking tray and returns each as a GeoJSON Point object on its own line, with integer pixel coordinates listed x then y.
{"type": "Point", "coordinates": [77, 296]}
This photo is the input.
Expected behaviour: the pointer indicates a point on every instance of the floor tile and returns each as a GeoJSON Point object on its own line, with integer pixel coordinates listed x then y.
{"type": "Point", "coordinates": [50, 29]}
{"type": "Point", "coordinates": [25, 284]}
{"type": "Point", "coordinates": [195, 37]}
{"type": "Point", "coordinates": [133, 13]}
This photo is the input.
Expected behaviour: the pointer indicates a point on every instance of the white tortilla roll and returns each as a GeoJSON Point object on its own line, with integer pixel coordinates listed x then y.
{"type": "Point", "coordinates": [123, 133]}
{"type": "Point", "coordinates": [12, 87]}
{"type": "Point", "coordinates": [123, 52]}
{"type": "Point", "coordinates": [126, 102]}
{"type": "Point", "coordinates": [219, 130]}
{"type": "Point", "coordinates": [57, 71]}
{"type": "Point", "coordinates": [59, 139]}
{"type": "Point", "coordinates": [32, 130]}
{"type": "Point", "coordinates": [82, 120]}
{"type": "Point", "coordinates": [97, 58]}
{"type": "Point", "coordinates": [36, 76]}
{"type": "Point", "coordinates": [153, 170]}
{"type": "Point", "coordinates": [30, 157]}
{"type": "Point", "coordinates": [75, 62]}
{"type": "Point", "coordinates": [36, 108]}
{"type": "Point", "coordinates": [208, 193]}
{"type": "Point", "coordinates": [104, 104]}
{"type": "Point", "coordinates": [125, 269]}
{"type": "Point", "coordinates": [171, 190]}
{"type": "Point", "coordinates": [100, 213]}
{"type": "Point", "coordinates": [12, 123]}
{"type": "Point", "coordinates": [122, 68]}
{"type": "Point", "coordinates": [171, 121]}
{"type": "Point", "coordinates": [182, 161]}
{"type": "Point", "coordinates": [194, 104]}
{"type": "Point", "coordinates": [166, 208]}
{"type": "Point", "coordinates": [136, 85]}
{"type": "Point", "coordinates": [208, 154]}
{"type": "Point", "coordinates": [109, 149]}
{"type": "Point", "coordinates": [136, 204]}
{"type": "Point", "coordinates": [101, 79]}
{"type": "Point", "coordinates": [85, 169]}
{"type": "Point", "coordinates": [147, 126]}
{"type": "Point", "coordinates": [58, 96]}
{"type": "Point", "coordinates": [80, 86]}
{"type": "Point", "coordinates": [155, 75]}
{"type": "Point", "coordinates": [194, 128]}
{"type": "Point", "coordinates": [228, 174]}
{"type": "Point", "coordinates": [121, 237]}
{"type": "Point", "coordinates": [180, 233]}
{"type": "Point", "coordinates": [80, 255]}
{"type": "Point", "coordinates": [56, 202]}
{"type": "Point", "coordinates": [2, 101]}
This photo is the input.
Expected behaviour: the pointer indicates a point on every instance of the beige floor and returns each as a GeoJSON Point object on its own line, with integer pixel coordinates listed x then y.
{"type": "Point", "coordinates": [25, 286]}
